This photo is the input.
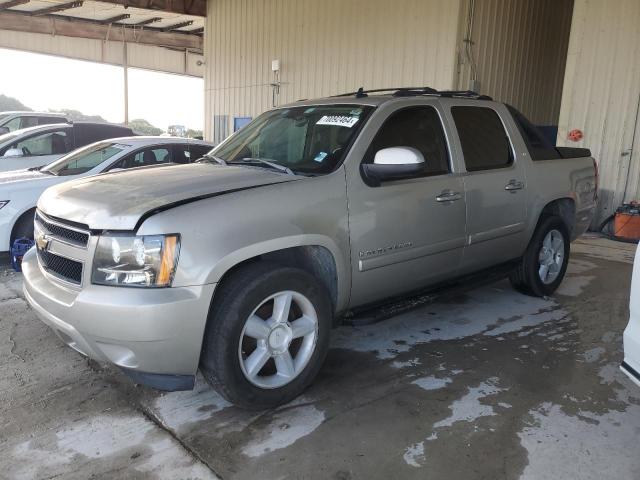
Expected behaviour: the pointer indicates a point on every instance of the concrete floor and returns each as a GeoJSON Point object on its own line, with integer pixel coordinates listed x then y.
{"type": "Point", "coordinates": [491, 384]}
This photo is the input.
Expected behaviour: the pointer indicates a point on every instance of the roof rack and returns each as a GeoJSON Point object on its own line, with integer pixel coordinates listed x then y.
{"type": "Point", "coordinates": [416, 92]}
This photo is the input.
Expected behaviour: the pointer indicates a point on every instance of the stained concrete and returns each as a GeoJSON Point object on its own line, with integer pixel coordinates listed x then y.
{"type": "Point", "coordinates": [490, 384]}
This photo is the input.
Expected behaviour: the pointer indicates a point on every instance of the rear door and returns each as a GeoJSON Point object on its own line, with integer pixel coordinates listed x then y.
{"type": "Point", "coordinates": [403, 235]}
{"type": "Point", "coordinates": [495, 186]}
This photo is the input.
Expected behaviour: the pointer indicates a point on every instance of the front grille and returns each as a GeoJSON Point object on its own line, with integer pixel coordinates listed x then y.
{"type": "Point", "coordinates": [62, 267]}
{"type": "Point", "coordinates": [66, 234]}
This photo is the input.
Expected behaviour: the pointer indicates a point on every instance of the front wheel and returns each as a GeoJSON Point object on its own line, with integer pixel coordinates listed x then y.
{"type": "Point", "coordinates": [267, 335]}
{"type": "Point", "coordinates": [544, 264]}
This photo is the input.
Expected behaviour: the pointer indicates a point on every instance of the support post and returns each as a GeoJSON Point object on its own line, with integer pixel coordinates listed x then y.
{"type": "Point", "coordinates": [125, 63]}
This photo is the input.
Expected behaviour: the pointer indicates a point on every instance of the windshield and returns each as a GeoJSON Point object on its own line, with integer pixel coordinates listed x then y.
{"type": "Point", "coordinates": [307, 140]}
{"type": "Point", "coordinates": [81, 161]}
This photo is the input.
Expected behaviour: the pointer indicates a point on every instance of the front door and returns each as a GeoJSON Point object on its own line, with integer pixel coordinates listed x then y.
{"type": "Point", "coordinates": [410, 233]}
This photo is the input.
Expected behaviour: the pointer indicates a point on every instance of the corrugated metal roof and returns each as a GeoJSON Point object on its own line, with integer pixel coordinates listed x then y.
{"type": "Point", "coordinates": [100, 11]}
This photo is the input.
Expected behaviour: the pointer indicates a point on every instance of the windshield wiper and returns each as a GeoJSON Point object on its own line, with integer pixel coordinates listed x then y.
{"type": "Point", "coordinates": [208, 157]}
{"type": "Point", "coordinates": [273, 165]}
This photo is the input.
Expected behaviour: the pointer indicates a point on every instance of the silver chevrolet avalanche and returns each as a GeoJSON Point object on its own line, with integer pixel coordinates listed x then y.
{"type": "Point", "coordinates": [240, 264]}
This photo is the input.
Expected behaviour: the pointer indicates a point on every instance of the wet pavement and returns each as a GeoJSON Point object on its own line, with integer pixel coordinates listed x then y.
{"type": "Point", "coordinates": [489, 384]}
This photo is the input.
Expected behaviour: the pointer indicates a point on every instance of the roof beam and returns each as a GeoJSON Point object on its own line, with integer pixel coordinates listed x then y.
{"type": "Point", "coordinates": [186, 7]}
{"type": "Point", "coordinates": [57, 25]}
{"type": "Point", "coordinates": [12, 3]}
{"type": "Point", "coordinates": [117, 18]}
{"type": "Point", "coordinates": [177, 25]}
{"type": "Point", "coordinates": [57, 8]}
{"type": "Point", "coordinates": [147, 21]}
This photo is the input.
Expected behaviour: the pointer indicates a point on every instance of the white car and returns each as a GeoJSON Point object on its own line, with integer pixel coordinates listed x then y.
{"type": "Point", "coordinates": [11, 121]}
{"type": "Point", "coordinates": [41, 145]}
{"type": "Point", "coordinates": [631, 363]}
{"type": "Point", "coordinates": [20, 190]}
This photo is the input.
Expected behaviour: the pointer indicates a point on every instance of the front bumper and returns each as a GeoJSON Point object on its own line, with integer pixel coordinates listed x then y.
{"type": "Point", "coordinates": [152, 334]}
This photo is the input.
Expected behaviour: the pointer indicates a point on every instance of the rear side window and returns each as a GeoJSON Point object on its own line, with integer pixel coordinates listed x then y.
{"type": "Point", "coordinates": [417, 127]}
{"type": "Point", "coordinates": [146, 158]}
{"type": "Point", "coordinates": [485, 144]}
{"type": "Point", "coordinates": [539, 147]}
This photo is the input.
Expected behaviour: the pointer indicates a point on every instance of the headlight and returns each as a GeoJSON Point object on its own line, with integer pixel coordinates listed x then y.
{"type": "Point", "coordinates": [136, 261]}
{"type": "Point", "coordinates": [3, 203]}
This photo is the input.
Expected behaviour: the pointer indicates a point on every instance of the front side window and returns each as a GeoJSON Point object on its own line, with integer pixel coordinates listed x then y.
{"type": "Point", "coordinates": [309, 140]}
{"type": "Point", "coordinates": [485, 144]}
{"type": "Point", "coordinates": [51, 143]}
{"type": "Point", "coordinates": [13, 124]}
{"type": "Point", "coordinates": [84, 160]}
{"type": "Point", "coordinates": [416, 127]}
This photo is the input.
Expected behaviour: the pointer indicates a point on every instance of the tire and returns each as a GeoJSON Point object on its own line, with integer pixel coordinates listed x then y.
{"type": "Point", "coordinates": [232, 342]}
{"type": "Point", "coordinates": [23, 227]}
{"type": "Point", "coordinates": [527, 278]}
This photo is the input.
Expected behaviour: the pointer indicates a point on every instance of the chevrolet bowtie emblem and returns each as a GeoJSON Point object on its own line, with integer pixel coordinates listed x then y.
{"type": "Point", "coordinates": [42, 241]}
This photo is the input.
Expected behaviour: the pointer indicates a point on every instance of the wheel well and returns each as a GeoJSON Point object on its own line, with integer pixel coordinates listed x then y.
{"type": "Point", "coordinates": [565, 208]}
{"type": "Point", "coordinates": [314, 259]}
{"type": "Point", "coordinates": [29, 213]}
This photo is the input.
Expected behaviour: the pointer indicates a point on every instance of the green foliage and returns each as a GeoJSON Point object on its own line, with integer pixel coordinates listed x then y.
{"type": "Point", "coordinates": [11, 104]}
{"type": "Point", "coordinates": [77, 115]}
{"type": "Point", "coordinates": [141, 125]}
{"type": "Point", "coordinates": [191, 133]}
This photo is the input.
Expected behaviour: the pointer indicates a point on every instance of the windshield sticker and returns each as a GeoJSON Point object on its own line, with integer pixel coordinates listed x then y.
{"type": "Point", "coordinates": [355, 112]}
{"type": "Point", "coordinates": [338, 120]}
{"type": "Point", "coordinates": [320, 156]}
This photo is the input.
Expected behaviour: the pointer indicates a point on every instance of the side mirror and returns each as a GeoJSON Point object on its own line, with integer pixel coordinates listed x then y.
{"type": "Point", "coordinates": [13, 152]}
{"type": "Point", "coordinates": [4, 130]}
{"type": "Point", "coordinates": [394, 163]}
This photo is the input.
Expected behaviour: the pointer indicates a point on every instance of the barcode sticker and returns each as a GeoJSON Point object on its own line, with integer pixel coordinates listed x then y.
{"type": "Point", "coordinates": [338, 120]}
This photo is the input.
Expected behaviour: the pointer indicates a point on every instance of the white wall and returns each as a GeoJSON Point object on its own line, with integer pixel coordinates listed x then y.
{"type": "Point", "coordinates": [325, 47]}
{"type": "Point", "coordinates": [602, 94]}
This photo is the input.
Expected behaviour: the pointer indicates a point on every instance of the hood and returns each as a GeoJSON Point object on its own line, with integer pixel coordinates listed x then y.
{"type": "Point", "coordinates": [21, 176]}
{"type": "Point", "coordinates": [117, 201]}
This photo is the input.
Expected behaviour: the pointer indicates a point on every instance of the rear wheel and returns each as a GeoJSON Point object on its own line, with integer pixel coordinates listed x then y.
{"type": "Point", "coordinates": [267, 335]}
{"type": "Point", "coordinates": [544, 264]}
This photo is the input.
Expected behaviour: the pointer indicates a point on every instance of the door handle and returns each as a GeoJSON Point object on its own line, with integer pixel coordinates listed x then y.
{"type": "Point", "coordinates": [514, 185]}
{"type": "Point", "coordinates": [448, 196]}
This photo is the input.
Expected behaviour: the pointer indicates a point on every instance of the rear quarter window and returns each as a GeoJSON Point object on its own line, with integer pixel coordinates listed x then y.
{"type": "Point", "coordinates": [485, 144]}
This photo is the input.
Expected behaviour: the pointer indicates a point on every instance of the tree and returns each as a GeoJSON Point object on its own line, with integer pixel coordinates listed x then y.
{"type": "Point", "coordinates": [10, 103]}
{"type": "Point", "coordinates": [192, 133]}
{"type": "Point", "coordinates": [141, 125]}
{"type": "Point", "coordinates": [77, 115]}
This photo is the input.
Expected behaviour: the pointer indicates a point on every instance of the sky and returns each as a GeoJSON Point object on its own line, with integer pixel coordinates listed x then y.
{"type": "Point", "coordinates": [44, 82]}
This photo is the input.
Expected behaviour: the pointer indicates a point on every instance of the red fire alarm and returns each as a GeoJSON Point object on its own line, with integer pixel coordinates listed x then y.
{"type": "Point", "coordinates": [575, 135]}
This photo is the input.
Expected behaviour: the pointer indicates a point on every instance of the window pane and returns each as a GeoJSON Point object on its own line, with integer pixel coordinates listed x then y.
{"type": "Point", "coordinates": [85, 159]}
{"type": "Point", "coordinates": [485, 144]}
{"type": "Point", "coordinates": [146, 158]}
{"type": "Point", "coordinates": [28, 122]}
{"type": "Point", "coordinates": [537, 144]}
{"type": "Point", "coordinates": [45, 144]}
{"type": "Point", "coordinates": [198, 151]}
{"type": "Point", "coordinates": [13, 124]}
{"type": "Point", "coordinates": [306, 139]}
{"type": "Point", "coordinates": [419, 128]}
